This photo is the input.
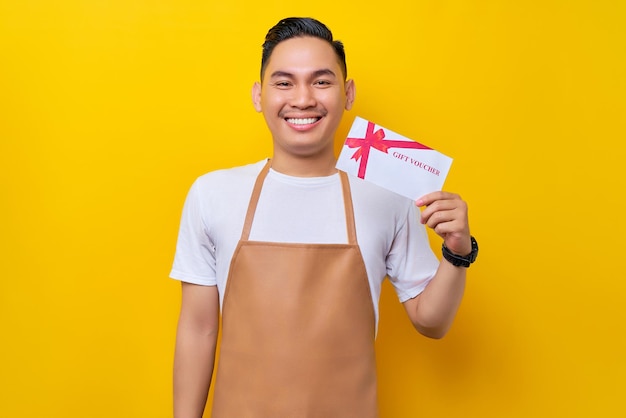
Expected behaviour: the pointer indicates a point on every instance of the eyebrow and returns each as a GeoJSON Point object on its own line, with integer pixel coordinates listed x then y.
{"type": "Point", "coordinates": [315, 74]}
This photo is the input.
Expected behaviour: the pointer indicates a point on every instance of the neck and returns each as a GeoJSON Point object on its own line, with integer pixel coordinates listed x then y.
{"type": "Point", "coordinates": [304, 166]}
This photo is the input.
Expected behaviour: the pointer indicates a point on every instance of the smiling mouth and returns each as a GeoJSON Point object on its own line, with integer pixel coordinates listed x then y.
{"type": "Point", "coordinates": [302, 121]}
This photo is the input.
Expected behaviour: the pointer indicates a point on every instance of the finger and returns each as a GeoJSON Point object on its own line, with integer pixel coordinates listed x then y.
{"type": "Point", "coordinates": [451, 227]}
{"type": "Point", "coordinates": [440, 217]}
{"type": "Point", "coordinates": [441, 206]}
{"type": "Point", "coordinates": [435, 196]}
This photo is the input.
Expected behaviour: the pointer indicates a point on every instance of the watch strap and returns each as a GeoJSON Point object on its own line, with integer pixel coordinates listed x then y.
{"type": "Point", "coordinates": [460, 260]}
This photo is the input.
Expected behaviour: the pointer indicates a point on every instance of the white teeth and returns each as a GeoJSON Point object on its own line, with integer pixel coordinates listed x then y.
{"type": "Point", "coordinates": [304, 121]}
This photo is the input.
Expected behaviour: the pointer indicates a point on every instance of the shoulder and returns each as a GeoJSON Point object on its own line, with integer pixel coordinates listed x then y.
{"type": "Point", "coordinates": [220, 197]}
{"type": "Point", "coordinates": [240, 173]}
{"type": "Point", "coordinates": [229, 180]}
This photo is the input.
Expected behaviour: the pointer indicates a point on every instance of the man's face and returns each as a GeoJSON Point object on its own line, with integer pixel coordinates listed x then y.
{"type": "Point", "coordinates": [303, 96]}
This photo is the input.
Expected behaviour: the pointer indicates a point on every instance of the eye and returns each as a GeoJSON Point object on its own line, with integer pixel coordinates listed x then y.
{"type": "Point", "coordinates": [281, 84]}
{"type": "Point", "coordinates": [322, 83]}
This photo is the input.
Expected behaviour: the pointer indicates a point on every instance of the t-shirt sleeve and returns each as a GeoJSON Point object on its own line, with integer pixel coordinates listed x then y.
{"type": "Point", "coordinates": [411, 263]}
{"type": "Point", "coordinates": [194, 261]}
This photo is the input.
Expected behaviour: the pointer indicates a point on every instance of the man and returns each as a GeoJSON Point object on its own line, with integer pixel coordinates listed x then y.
{"type": "Point", "coordinates": [295, 252]}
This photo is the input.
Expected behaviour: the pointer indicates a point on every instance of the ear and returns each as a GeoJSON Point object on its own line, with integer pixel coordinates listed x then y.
{"type": "Point", "coordinates": [350, 94]}
{"type": "Point", "coordinates": [256, 96]}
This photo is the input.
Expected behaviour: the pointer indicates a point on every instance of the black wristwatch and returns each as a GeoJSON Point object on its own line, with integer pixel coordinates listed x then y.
{"type": "Point", "coordinates": [458, 260]}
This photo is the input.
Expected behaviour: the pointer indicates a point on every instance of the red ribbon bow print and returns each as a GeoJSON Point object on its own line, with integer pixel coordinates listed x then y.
{"type": "Point", "coordinates": [378, 141]}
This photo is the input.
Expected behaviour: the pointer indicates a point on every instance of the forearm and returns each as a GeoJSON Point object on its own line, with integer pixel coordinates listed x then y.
{"type": "Point", "coordinates": [193, 368]}
{"type": "Point", "coordinates": [433, 311]}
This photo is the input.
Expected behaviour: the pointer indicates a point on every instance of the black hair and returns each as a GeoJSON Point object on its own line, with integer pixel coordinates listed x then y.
{"type": "Point", "coordinates": [292, 27]}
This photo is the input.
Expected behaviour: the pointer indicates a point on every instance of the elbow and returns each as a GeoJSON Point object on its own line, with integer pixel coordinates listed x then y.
{"type": "Point", "coordinates": [435, 332]}
{"type": "Point", "coordinates": [431, 322]}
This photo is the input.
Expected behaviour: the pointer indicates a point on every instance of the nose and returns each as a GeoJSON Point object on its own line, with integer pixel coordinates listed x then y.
{"type": "Point", "coordinates": [303, 97]}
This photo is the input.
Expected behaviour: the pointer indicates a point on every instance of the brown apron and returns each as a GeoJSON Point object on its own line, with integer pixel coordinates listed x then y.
{"type": "Point", "coordinates": [298, 328]}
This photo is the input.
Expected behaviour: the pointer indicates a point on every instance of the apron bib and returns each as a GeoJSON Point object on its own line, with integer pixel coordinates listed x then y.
{"type": "Point", "coordinates": [298, 328]}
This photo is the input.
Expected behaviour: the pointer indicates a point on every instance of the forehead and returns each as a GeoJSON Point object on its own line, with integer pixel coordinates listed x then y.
{"type": "Point", "coordinates": [303, 55]}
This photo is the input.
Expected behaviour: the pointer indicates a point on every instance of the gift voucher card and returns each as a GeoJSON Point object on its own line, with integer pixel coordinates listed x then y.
{"type": "Point", "coordinates": [392, 161]}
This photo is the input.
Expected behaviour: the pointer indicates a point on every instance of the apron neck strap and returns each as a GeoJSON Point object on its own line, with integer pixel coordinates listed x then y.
{"type": "Point", "coordinates": [256, 192]}
{"type": "Point", "coordinates": [347, 203]}
{"type": "Point", "coordinates": [254, 200]}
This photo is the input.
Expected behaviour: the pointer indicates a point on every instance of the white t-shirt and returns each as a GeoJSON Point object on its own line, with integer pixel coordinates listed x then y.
{"type": "Point", "coordinates": [306, 210]}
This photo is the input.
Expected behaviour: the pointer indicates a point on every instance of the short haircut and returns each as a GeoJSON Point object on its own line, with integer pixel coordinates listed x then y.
{"type": "Point", "coordinates": [293, 27]}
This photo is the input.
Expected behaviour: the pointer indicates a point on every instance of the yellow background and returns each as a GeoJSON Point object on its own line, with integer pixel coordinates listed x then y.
{"type": "Point", "coordinates": [110, 109]}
